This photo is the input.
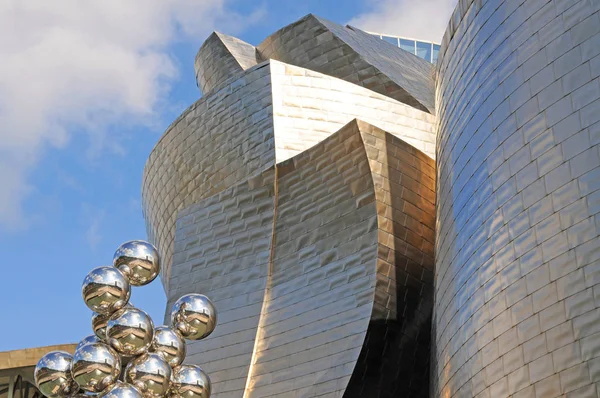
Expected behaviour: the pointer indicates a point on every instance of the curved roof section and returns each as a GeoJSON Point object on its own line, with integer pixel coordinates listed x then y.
{"type": "Point", "coordinates": [220, 58]}
{"type": "Point", "coordinates": [355, 56]}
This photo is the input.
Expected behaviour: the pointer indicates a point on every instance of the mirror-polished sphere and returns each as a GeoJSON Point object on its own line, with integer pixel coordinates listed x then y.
{"type": "Point", "coordinates": [95, 367]}
{"type": "Point", "coordinates": [53, 376]}
{"type": "Point", "coordinates": [138, 260]}
{"type": "Point", "coordinates": [130, 331]}
{"type": "Point", "coordinates": [151, 374]}
{"type": "Point", "coordinates": [99, 323]}
{"type": "Point", "coordinates": [120, 390]}
{"type": "Point", "coordinates": [88, 339]}
{"type": "Point", "coordinates": [105, 290]}
{"type": "Point", "coordinates": [169, 344]}
{"type": "Point", "coordinates": [194, 316]}
{"type": "Point", "coordinates": [189, 381]}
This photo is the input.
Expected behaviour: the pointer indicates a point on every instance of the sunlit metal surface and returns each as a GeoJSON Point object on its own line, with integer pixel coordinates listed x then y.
{"type": "Point", "coordinates": [105, 290]}
{"type": "Point", "coordinates": [130, 331]}
{"type": "Point", "coordinates": [138, 261]}
{"type": "Point", "coordinates": [95, 367]}
{"type": "Point", "coordinates": [99, 323]}
{"type": "Point", "coordinates": [53, 375]}
{"type": "Point", "coordinates": [189, 381]}
{"type": "Point", "coordinates": [151, 374]}
{"type": "Point", "coordinates": [518, 229]}
{"type": "Point", "coordinates": [86, 340]}
{"type": "Point", "coordinates": [194, 316]}
{"type": "Point", "coordinates": [169, 344]}
{"type": "Point", "coordinates": [120, 390]}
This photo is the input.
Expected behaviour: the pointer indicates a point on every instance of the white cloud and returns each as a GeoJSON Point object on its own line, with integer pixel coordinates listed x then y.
{"type": "Point", "coordinates": [418, 19]}
{"type": "Point", "coordinates": [86, 65]}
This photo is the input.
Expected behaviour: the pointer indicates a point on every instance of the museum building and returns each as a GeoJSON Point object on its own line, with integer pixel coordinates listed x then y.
{"type": "Point", "coordinates": [376, 222]}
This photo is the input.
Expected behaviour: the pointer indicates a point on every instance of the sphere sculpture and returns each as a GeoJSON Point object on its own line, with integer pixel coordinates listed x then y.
{"type": "Point", "coordinates": [53, 376]}
{"type": "Point", "coordinates": [127, 357]}
{"type": "Point", "coordinates": [138, 261]}
{"type": "Point", "coordinates": [189, 381]}
{"type": "Point", "coordinates": [151, 374]}
{"type": "Point", "coordinates": [95, 366]}
{"type": "Point", "coordinates": [194, 316]}
{"type": "Point", "coordinates": [130, 331]}
{"type": "Point", "coordinates": [120, 390]}
{"type": "Point", "coordinates": [105, 290]}
{"type": "Point", "coordinates": [169, 344]}
{"type": "Point", "coordinates": [88, 339]}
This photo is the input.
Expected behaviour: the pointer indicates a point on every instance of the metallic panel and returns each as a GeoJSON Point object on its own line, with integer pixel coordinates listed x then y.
{"type": "Point", "coordinates": [309, 106]}
{"type": "Point", "coordinates": [222, 249]}
{"type": "Point", "coordinates": [355, 56]}
{"type": "Point", "coordinates": [271, 112]}
{"type": "Point", "coordinates": [518, 227]}
{"type": "Point", "coordinates": [222, 57]}
{"type": "Point", "coordinates": [312, 271]}
{"type": "Point", "coordinates": [220, 140]}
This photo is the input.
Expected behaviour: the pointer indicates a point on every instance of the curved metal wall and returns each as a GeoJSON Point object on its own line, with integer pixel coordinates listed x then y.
{"type": "Point", "coordinates": [517, 296]}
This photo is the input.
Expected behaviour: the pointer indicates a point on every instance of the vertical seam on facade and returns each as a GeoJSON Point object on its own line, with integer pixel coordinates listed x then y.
{"type": "Point", "coordinates": [268, 283]}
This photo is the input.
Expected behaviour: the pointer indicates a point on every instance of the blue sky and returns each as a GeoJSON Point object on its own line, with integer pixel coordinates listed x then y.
{"type": "Point", "coordinates": [86, 90]}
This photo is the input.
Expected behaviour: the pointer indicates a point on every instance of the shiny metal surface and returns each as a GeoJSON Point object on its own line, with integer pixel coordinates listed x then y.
{"type": "Point", "coordinates": [138, 260]}
{"type": "Point", "coordinates": [95, 367]}
{"type": "Point", "coordinates": [194, 316]}
{"type": "Point", "coordinates": [151, 374]}
{"type": "Point", "coordinates": [169, 344]}
{"type": "Point", "coordinates": [130, 331]}
{"type": "Point", "coordinates": [88, 339]}
{"type": "Point", "coordinates": [120, 390]}
{"type": "Point", "coordinates": [53, 375]}
{"type": "Point", "coordinates": [190, 381]}
{"type": "Point", "coordinates": [105, 290]}
{"type": "Point", "coordinates": [289, 131]}
{"type": "Point", "coordinates": [518, 216]}
{"type": "Point", "coordinates": [99, 323]}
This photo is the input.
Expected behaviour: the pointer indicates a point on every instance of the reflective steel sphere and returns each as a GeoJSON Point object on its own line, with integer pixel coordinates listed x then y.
{"type": "Point", "coordinates": [88, 339]}
{"type": "Point", "coordinates": [194, 316]}
{"type": "Point", "coordinates": [95, 367]}
{"type": "Point", "coordinates": [189, 381]}
{"type": "Point", "coordinates": [120, 390]}
{"type": "Point", "coordinates": [151, 374]}
{"type": "Point", "coordinates": [99, 323]}
{"type": "Point", "coordinates": [169, 344]}
{"type": "Point", "coordinates": [105, 290]}
{"type": "Point", "coordinates": [53, 376]}
{"type": "Point", "coordinates": [138, 260]}
{"type": "Point", "coordinates": [130, 331]}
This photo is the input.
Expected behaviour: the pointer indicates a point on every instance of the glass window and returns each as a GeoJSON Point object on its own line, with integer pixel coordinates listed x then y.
{"type": "Point", "coordinates": [408, 45]}
{"type": "Point", "coordinates": [392, 40]}
{"type": "Point", "coordinates": [424, 50]}
{"type": "Point", "coordinates": [436, 50]}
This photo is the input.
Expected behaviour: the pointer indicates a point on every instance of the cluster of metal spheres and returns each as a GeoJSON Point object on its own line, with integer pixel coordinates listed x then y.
{"type": "Point", "coordinates": [127, 357]}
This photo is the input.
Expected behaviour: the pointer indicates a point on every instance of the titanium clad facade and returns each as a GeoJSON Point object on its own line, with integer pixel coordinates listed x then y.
{"type": "Point", "coordinates": [313, 270]}
{"type": "Point", "coordinates": [517, 238]}
{"type": "Point", "coordinates": [371, 225]}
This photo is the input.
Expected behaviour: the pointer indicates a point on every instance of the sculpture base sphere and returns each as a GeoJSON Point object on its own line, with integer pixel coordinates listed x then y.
{"type": "Point", "coordinates": [53, 376]}
{"type": "Point", "coordinates": [194, 316]}
{"type": "Point", "coordinates": [139, 262]}
{"type": "Point", "coordinates": [120, 390]}
{"type": "Point", "coordinates": [190, 381]}
{"type": "Point", "coordinates": [151, 374]}
{"type": "Point", "coordinates": [105, 290]}
{"type": "Point", "coordinates": [95, 367]}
